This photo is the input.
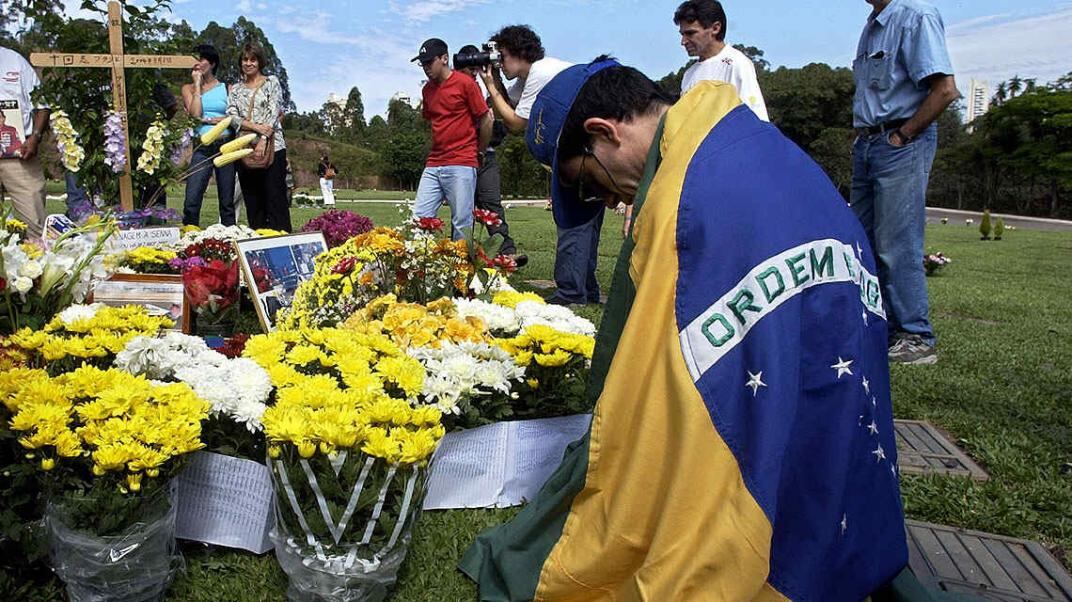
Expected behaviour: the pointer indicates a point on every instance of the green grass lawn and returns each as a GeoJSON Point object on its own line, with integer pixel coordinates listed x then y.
{"type": "Point", "coordinates": [1002, 388]}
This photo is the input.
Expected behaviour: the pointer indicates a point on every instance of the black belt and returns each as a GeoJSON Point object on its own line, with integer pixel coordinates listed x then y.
{"type": "Point", "coordinates": [882, 128]}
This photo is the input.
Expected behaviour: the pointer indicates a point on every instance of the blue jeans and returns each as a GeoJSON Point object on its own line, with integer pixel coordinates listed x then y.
{"type": "Point", "coordinates": [889, 190]}
{"type": "Point", "coordinates": [455, 182]}
{"type": "Point", "coordinates": [575, 262]}
{"type": "Point", "coordinates": [197, 183]}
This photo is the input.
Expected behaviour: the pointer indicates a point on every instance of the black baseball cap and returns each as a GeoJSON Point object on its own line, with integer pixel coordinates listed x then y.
{"type": "Point", "coordinates": [431, 49]}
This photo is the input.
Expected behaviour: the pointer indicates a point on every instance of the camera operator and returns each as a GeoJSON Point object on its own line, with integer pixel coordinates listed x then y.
{"type": "Point", "coordinates": [489, 177]}
{"type": "Point", "coordinates": [522, 60]}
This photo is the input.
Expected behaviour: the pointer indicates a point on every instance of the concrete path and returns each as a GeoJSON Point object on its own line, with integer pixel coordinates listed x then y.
{"type": "Point", "coordinates": [935, 215]}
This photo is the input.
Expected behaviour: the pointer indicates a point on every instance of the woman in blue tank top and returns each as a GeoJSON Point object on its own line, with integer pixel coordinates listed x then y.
{"type": "Point", "coordinates": [206, 99]}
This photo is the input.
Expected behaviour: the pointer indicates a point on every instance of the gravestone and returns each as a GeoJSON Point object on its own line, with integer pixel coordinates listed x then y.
{"type": "Point", "coordinates": [922, 449]}
{"type": "Point", "coordinates": [992, 567]}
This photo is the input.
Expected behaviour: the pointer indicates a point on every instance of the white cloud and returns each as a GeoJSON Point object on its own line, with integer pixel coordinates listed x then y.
{"type": "Point", "coordinates": [375, 61]}
{"type": "Point", "coordinates": [424, 10]}
{"type": "Point", "coordinates": [997, 47]}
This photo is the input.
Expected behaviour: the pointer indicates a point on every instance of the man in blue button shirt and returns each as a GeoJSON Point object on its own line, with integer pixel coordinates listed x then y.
{"type": "Point", "coordinates": [904, 80]}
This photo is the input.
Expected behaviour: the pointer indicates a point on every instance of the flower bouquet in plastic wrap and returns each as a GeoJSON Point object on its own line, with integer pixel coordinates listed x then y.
{"type": "Point", "coordinates": [106, 444]}
{"type": "Point", "coordinates": [348, 449]}
{"type": "Point", "coordinates": [36, 283]}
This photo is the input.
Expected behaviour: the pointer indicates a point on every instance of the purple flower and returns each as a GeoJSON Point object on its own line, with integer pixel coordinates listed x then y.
{"type": "Point", "coordinates": [80, 210]}
{"type": "Point", "coordinates": [338, 226]}
{"type": "Point", "coordinates": [115, 155]}
{"type": "Point", "coordinates": [181, 265]}
{"type": "Point", "coordinates": [180, 148]}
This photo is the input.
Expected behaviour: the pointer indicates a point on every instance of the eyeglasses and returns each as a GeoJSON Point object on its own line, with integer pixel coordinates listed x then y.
{"type": "Point", "coordinates": [598, 192]}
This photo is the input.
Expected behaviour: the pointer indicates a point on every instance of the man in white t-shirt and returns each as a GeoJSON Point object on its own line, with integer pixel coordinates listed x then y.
{"type": "Point", "coordinates": [524, 62]}
{"type": "Point", "coordinates": [22, 177]}
{"type": "Point", "coordinates": [702, 24]}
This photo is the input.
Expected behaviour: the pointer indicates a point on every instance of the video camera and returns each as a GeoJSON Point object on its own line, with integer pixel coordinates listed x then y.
{"type": "Point", "coordinates": [488, 55]}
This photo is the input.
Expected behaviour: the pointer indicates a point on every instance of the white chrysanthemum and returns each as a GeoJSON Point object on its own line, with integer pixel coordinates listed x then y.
{"type": "Point", "coordinates": [76, 313]}
{"type": "Point", "coordinates": [236, 388]}
{"type": "Point", "coordinates": [457, 372]}
{"type": "Point", "coordinates": [531, 313]}
{"type": "Point", "coordinates": [22, 284]}
{"type": "Point", "coordinates": [498, 318]}
{"type": "Point", "coordinates": [215, 231]}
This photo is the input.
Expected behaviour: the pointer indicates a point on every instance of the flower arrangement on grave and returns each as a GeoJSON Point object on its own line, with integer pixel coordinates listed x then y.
{"type": "Point", "coordinates": [37, 283]}
{"type": "Point", "coordinates": [934, 262]}
{"type": "Point", "coordinates": [479, 368]}
{"type": "Point", "coordinates": [85, 335]}
{"type": "Point", "coordinates": [348, 449]}
{"type": "Point", "coordinates": [192, 235]}
{"type": "Point", "coordinates": [145, 260]}
{"type": "Point", "coordinates": [338, 226]}
{"type": "Point", "coordinates": [467, 376]}
{"type": "Point", "coordinates": [410, 263]}
{"type": "Point", "coordinates": [105, 444]}
{"type": "Point", "coordinates": [236, 388]}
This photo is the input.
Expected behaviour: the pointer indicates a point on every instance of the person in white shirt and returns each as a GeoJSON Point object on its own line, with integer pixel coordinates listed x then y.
{"type": "Point", "coordinates": [702, 24]}
{"type": "Point", "coordinates": [523, 61]}
{"type": "Point", "coordinates": [21, 176]}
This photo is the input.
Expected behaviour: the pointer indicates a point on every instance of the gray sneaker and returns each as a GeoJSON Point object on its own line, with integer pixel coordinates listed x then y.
{"type": "Point", "coordinates": [911, 350]}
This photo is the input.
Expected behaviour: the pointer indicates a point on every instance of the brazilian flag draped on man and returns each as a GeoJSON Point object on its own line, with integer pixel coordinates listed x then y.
{"type": "Point", "coordinates": [742, 443]}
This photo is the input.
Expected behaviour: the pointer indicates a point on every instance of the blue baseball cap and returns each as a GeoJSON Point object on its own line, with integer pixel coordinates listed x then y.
{"type": "Point", "coordinates": [546, 120]}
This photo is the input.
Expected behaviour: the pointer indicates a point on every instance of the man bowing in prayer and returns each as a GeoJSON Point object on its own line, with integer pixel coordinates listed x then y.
{"type": "Point", "coordinates": [742, 443]}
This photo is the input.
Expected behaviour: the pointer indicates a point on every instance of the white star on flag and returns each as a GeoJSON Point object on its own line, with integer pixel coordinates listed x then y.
{"type": "Point", "coordinates": [893, 470]}
{"type": "Point", "coordinates": [842, 367]}
{"type": "Point", "coordinates": [864, 314]}
{"type": "Point", "coordinates": [879, 453]}
{"type": "Point", "coordinates": [867, 385]}
{"type": "Point", "coordinates": [874, 402]}
{"type": "Point", "coordinates": [755, 381]}
{"type": "Point", "coordinates": [873, 428]}
{"type": "Point", "coordinates": [859, 250]}
{"type": "Point", "coordinates": [844, 523]}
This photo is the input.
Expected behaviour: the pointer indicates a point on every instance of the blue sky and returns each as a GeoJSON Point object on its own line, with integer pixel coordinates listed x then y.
{"type": "Point", "coordinates": [332, 45]}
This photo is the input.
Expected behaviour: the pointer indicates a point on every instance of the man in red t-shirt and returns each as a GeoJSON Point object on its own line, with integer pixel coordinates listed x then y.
{"type": "Point", "coordinates": [461, 128]}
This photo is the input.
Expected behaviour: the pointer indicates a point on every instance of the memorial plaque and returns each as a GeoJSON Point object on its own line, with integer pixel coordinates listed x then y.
{"type": "Point", "coordinates": [922, 449]}
{"type": "Point", "coordinates": [992, 567]}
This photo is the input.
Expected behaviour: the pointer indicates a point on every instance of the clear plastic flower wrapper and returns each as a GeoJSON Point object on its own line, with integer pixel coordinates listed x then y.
{"type": "Point", "coordinates": [342, 537]}
{"type": "Point", "coordinates": [348, 448]}
{"type": "Point", "coordinates": [136, 564]}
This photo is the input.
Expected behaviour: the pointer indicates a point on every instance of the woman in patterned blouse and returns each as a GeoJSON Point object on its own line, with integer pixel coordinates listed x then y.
{"type": "Point", "coordinates": [264, 189]}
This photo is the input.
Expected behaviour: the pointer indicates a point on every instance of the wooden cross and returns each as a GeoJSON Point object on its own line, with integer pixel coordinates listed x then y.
{"type": "Point", "coordinates": [118, 62]}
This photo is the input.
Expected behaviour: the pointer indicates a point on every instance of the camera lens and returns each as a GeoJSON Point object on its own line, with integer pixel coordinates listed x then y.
{"type": "Point", "coordinates": [471, 59]}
